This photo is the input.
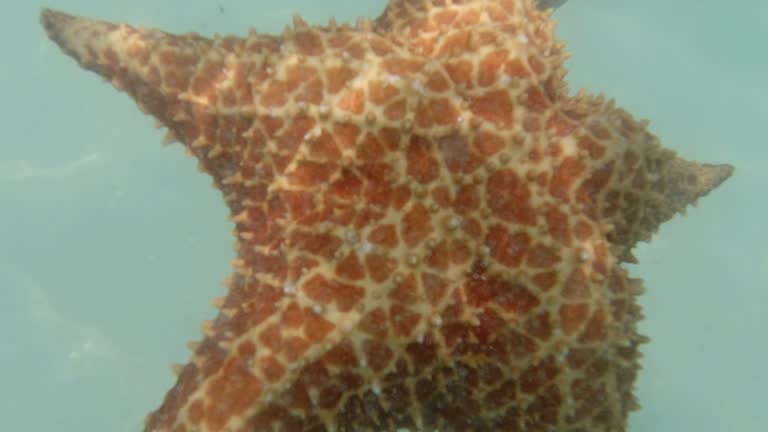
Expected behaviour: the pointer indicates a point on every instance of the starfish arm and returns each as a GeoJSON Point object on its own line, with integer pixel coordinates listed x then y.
{"type": "Point", "coordinates": [189, 83]}
{"type": "Point", "coordinates": [154, 67]}
{"type": "Point", "coordinates": [662, 186]}
{"type": "Point", "coordinates": [631, 184]}
{"type": "Point", "coordinates": [421, 25]}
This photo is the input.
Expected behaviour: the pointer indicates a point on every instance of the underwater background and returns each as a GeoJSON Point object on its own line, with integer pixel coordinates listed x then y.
{"type": "Point", "coordinates": [111, 245]}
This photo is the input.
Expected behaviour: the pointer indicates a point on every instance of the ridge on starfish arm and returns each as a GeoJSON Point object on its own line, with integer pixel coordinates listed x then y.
{"type": "Point", "coordinates": [429, 227]}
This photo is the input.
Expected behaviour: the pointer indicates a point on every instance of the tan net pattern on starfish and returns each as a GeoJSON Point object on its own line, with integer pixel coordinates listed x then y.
{"type": "Point", "coordinates": [429, 228]}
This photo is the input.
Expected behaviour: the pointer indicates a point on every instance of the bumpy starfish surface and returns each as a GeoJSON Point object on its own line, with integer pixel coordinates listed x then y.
{"type": "Point", "coordinates": [429, 227]}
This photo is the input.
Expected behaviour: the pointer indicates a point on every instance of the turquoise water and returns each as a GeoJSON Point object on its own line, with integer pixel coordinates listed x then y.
{"type": "Point", "coordinates": [111, 245]}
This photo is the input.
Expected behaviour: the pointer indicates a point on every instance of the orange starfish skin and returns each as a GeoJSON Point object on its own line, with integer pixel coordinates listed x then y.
{"type": "Point", "coordinates": [429, 228]}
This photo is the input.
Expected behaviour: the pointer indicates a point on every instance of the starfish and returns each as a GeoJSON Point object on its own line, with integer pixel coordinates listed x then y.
{"type": "Point", "coordinates": [430, 228]}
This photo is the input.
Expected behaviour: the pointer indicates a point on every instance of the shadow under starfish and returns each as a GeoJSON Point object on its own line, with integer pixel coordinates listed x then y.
{"type": "Point", "coordinates": [429, 227]}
